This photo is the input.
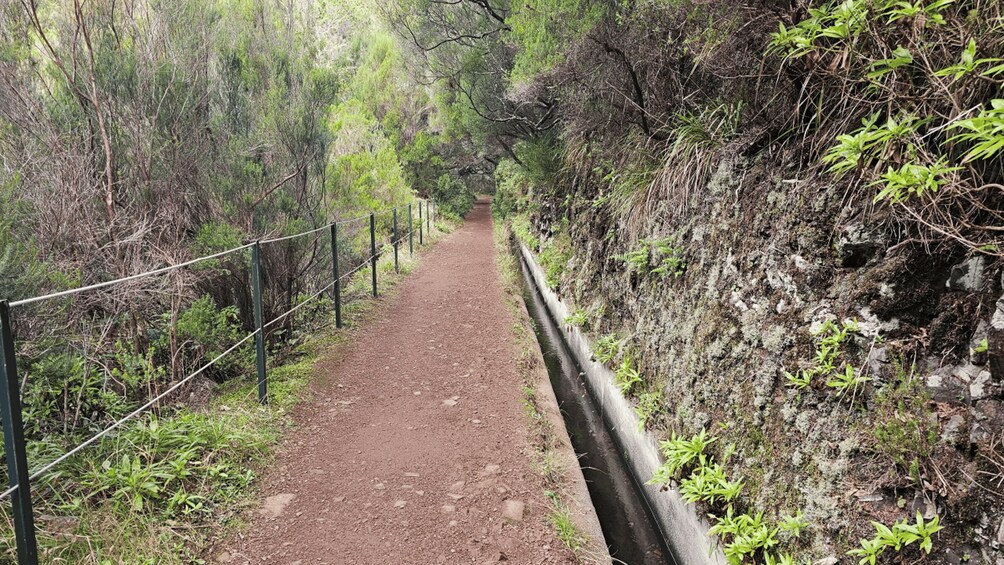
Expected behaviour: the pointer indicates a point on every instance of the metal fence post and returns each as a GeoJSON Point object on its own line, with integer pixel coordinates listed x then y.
{"type": "Point", "coordinates": [334, 271]}
{"type": "Point", "coordinates": [259, 315]}
{"type": "Point", "coordinates": [13, 439]}
{"type": "Point", "coordinates": [396, 269]}
{"type": "Point", "coordinates": [420, 237]}
{"type": "Point", "coordinates": [373, 257]}
{"type": "Point", "coordinates": [411, 233]}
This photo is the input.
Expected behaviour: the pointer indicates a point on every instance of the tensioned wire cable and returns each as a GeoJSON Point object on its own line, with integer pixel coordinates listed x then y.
{"type": "Point", "coordinates": [129, 278]}
{"type": "Point", "coordinates": [130, 416]}
{"type": "Point", "coordinates": [178, 384]}
{"type": "Point", "coordinates": [170, 268]}
{"type": "Point", "coordinates": [5, 494]}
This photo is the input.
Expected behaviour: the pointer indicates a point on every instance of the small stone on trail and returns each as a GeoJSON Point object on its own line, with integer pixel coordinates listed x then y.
{"type": "Point", "coordinates": [379, 486]}
{"type": "Point", "coordinates": [418, 393]}
{"type": "Point", "coordinates": [448, 509]}
{"type": "Point", "coordinates": [224, 557]}
{"type": "Point", "coordinates": [475, 421]}
{"type": "Point", "coordinates": [338, 499]}
{"type": "Point", "coordinates": [491, 470]}
{"type": "Point", "coordinates": [449, 402]}
{"type": "Point", "coordinates": [412, 475]}
{"type": "Point", "coordinates": [457, 486]}
{"type": "Point", "coordinates": [512, 510]}
{"type": "Point", "coordinates": [400, 504]}
{"type": "Point", "coordinates": [274, 506]}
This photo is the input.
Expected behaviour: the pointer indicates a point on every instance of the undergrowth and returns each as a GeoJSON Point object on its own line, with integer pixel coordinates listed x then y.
{"type": "Point", "coordinates": [159, 487]}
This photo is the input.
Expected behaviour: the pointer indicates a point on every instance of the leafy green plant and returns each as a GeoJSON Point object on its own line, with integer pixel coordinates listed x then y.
{"type": "Point", "coordinates": [912, 179]}
{"type": "Point", "coordinates": [636, 259]}
{"type": "Point", "coordinates": [799, 379]}
{"type": "Point", "coordinates": [845, 380]}
{"type": "Point", "coordinates": [708, 483]}
{"type": "Point", "coordinates": [859, 148]}
{"type": "Point", "coordinates": [968, 64]}
{"type": "Point", "coordinates": [627, 377]}
{"type": "Point", "coordinates": [607, 347]}
{"type": "Point", "coordinates": [680, 452]}
{"type": "Point", "coordinates": [902, 426]}
{"type": "Point", "coordinates": [793, 524]}
{"type": "Point", "coordinates": [982, 346]}
{"type": "Point", "coordinates": [660, 257]}
{"type": "Point", "coordinates": [900, 535]}
{"type": "Point", "coordinates": [829, 338]}
{"type": "Point", "coordinates": [986, 130]}
{"type": "Point", "coordinates": [577, 319]}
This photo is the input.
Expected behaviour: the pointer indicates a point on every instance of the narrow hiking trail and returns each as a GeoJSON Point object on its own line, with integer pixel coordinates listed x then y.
{"type": "Point", "coordinates": [416, 442]}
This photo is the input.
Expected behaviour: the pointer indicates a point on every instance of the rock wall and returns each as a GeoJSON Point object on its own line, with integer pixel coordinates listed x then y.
{"type": "Point", "coordinates": [768, 259]}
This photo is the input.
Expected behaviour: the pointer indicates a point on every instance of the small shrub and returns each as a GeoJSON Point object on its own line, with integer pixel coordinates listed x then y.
{"type": "Point", "coordinates": [607, 348]}
{"type": "Point", "coordinates": [627, 377]}
{"type": "Point", "coordinates": [577, 319]}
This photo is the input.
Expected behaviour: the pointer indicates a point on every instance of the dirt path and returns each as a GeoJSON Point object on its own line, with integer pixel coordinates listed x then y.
{"type": "Point", "coordinates": [417, 447]}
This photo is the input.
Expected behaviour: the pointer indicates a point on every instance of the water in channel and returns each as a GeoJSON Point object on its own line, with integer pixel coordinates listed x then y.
{"type": "Point", "coordinates": [632, 536]}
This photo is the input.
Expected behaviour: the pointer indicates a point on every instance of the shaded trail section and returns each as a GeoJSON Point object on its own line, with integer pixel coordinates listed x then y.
{"type": "Point", "coordinates": [415, 448]}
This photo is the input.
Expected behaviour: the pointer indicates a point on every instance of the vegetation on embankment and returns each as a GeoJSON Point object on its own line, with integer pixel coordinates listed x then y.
{"type": "Point", "coordinates": [552, 454]}
{"type": "Point", "coordinates": [779, 222]}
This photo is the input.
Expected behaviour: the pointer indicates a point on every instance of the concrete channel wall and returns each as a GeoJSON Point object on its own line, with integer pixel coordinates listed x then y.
{"type": "Point", "coordinates": [685, 531]}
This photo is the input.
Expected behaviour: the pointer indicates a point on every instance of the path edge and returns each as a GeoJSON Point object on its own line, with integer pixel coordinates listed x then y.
{"type": "Point", "coordinates": [575, 490]}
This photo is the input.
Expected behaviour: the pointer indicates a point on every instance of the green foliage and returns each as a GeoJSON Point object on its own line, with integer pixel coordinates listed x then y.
{"type": "Point", "coordinates": [543, 30]}
{"type": "Point", "coordinates": [904, 429]}
{"type": "Point", "coordinates": [969, 64]}
{"type": "Point", "coordinates": [650, 403]}
{"type": "Point", "coordinates": [793, 524]}
{"type": "Point", "coordinates": [829, 338]}
{"type": "Point", "coordinates": [985, 130]}
{"type": "Point", "coordinates": [511, 186]}
{"type": "Point", "coordinates": [607, 347]}
{"type": "Point", "coordinates": [708, 483]}
{"type": "Point", "coordinates": [901, 534]}
{"type": "Point", "coordinates": [871, 141]}
{"type": "Point", "coordinates": [205, 331]}
{"type": "Point", "coordinates": [577, 319]}
{"type": "Point", "coordinates": [845, 380]}
{"type": "Point", "coordinates": [912, 179]}
{"type": "Point", "coordinates": [627, 377]}
{"type": "Point", "coordinates": [554, 256]}
{"type": "Point", "coordinates": [660, 257]}
{"type": "Point", "coordinates": [564, 524]}
{"type": "Point", "coordinates": [521, 229]}
{"type": "Point", "coordinates": [982, 346]}
{"type": "Point", "coordinates": [712, 127]}
{"type": "Point", "coordinates": [680, 453]}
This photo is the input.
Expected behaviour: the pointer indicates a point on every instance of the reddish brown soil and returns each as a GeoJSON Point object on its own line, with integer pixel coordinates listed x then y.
{"type": "Point", "coordinates": [411, 449]}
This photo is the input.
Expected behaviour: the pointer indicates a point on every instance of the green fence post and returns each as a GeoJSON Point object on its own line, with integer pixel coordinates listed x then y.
{"type": "Point", "coordinates": [396, 269]}
{"type": "Point", "coordinates": [259, 316]}
{"type": "Point", "coordinates": [421, 239]}
{"type": "Point", "coordinates": [373, 257]}
{"type": "Point", "coordinates": [13, 440]}
{"type": "Point", "coordinates": [411, 233]}
{"type": "Point", "coordinates": [334, 271]}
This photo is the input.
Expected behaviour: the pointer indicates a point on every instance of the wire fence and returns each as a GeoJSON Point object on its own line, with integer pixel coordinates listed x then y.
{"type": "Point", "coordinates": [334, 254]}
